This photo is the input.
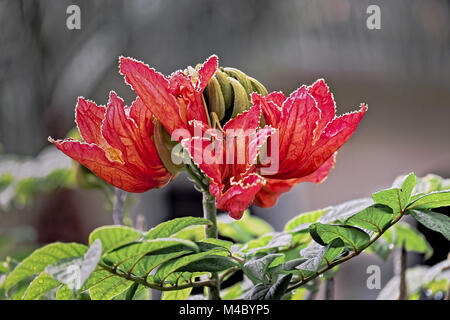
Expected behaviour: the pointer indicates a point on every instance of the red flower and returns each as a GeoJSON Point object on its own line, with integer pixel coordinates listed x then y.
{"type": "Point", "coordinates": [174, 100]}
{"type": "Point", "coordinates": [309, 136]}
{"type": "Point", "coordinates": [117, 145]}
{"type": "Point", "coordinates": [233, 182]}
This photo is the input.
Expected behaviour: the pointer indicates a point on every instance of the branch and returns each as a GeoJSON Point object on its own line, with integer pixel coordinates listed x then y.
{"type": "Point", "coordinates": [131, 277]}
{"type": "Point", "coordinates": [346, 258]}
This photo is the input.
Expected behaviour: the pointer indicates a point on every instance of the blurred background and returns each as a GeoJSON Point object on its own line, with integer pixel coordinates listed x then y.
{"type": "Point", "coordinates": [402, 71]}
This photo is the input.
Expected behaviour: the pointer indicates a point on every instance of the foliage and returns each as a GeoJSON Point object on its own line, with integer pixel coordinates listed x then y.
{"type": "Point", "coordinates": [175, 257]}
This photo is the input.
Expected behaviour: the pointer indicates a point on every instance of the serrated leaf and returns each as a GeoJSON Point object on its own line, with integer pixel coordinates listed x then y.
{"type": "Point", "coordinates": [168, 228]}
{"type": "Point", "coordinates": [354, 238]}
{"type": "Point", "coordinates": [43, 257]}
{"type": "Point", "coordinates": [39, 286]}
{"type": "Point", "coordinates": [374, 218]}
{"type": "Point", "coordinates": [182, 294]}
{"type": "Point", "coordinates": [114, 236]}
{"type": "Point", "coordinates": [431, 200]}
{"type": "Point", "coordinates": [270, 292]}
{"type": "Point", "coordinates": [434, 221]}
{"type": "Point", "coordinates": [173, 265]}
{"type": "Point", "coordinates": [345, 210]}
{"type": "Point", "coordinates": [304, 220]}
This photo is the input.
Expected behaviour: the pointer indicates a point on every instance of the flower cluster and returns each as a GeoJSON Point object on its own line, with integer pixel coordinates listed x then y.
{"type": "Point", "coordinates": [125, 146]}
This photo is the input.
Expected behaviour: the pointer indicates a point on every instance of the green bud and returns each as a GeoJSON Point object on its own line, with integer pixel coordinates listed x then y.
{"type": "Point", "coordinates": [257, 86]}
{"type": "Point", "coordinates": [241, 77]}
{"type": "Point", "coordinates": [227, 89]}
{"type": "Point", "coordinates": [240, 103]}
{"type": "Point", "coordinates": [215, 102]}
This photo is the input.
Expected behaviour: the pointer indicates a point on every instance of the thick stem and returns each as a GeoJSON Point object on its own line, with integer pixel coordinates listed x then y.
{"type": "Point", "coordinates": [403, 291]}
{"type": "Point", "coordinates": [329, 289]}
{"type": "Point", "coordinates": [210, 213]}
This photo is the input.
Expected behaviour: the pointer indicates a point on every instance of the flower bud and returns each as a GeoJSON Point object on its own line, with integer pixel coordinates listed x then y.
{"type": "Point", "coordinates": [228, 93]}
{"type": "Point", "coordinates": [164, 145]}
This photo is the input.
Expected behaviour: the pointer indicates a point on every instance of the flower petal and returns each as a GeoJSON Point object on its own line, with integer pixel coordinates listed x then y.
{"type": "Point", "coordinates": [300, 116]}
{"type": "Point", "coordinates": [271, 112]}
{"type": "Point", "coordinates": [247, 120]}
{"type": "Point", "coordinates": [240, 195]}
{"type": "Point", "coordinates": [122, 132]}
{"type": "Point", "coordinates": [153, 88]}
{"type": "Point", "coordinates": [206, 71]}
{"type": "Point", "coordinates": [325, 102]}
{"type": "Point", "coordinates": [336, 133]}
{"type": "Point", "coordinates": [89, 118]}
{"type": "Point", "coordinates": [94, 158]}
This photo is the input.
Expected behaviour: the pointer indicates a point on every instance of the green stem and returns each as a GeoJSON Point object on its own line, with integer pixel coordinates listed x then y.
{"type": "Point", "coordinates": [210, 213]}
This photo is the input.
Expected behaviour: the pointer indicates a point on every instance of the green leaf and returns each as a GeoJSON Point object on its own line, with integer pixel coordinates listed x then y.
{"type": "Point", "coordinates": [434, 221]}
{"type": "Point", "coordinates": [313, 254]}
{"type": "Point", "coordinates": [109, 288]}
{"type": "Point", "coordinates": [402, 233]}
{"type": "Point", "coordinates": [40, 285]}
{"type": "Point", "coordinates": [214, 264]}
{"type": "Point", "coordinates": [303, 221]}
{"type": "Point", "coordinates": [375, 218]}
{"type": "Point", "coordinates": [316, 254]}
{"type": "Point", "coordinates": [429, 183]}
{"type": "Point", "coordinates": [114, 236]}
{"type": "Point", "coordinates": [279, 240]}
{"type": "Point", "coordinates": [182, 294]}
{"type": "Point", "coordinates": [129, 255]}
{"type": "Point", "coordinates": [270, 292]}
{"type": "Point", "coordinates": [256, 268]}
{"type": "Point", "coordinates": [168, 228]}
{"type": "Point", "coordinates": [243, 230]}
{"type": "Point", "coordinates": [381, 248]}
{"type": "Point", "coordinates": [64, 293]}
{"type": "Point", "coordinates": [131, 291]}
{"type": "Point", "coordinates": [149, 262]}
{"type": "Point", "coordinates": [333, 250]}
{"type": "Point", "coordinates": [43, 257]}
{"type": "Point", "coordinates": [345, 210]}
{"type": "Point", "coordinates": [214, 243]}
{"type": "Point", "coordinates": [397, 198]}
{"type": "Point", "coordinates": [354, 238]}
{"type": "Point", "coordinates": [173, 265]}
{"type": "Point", "coordinates": [75, 271]}
{"type": "Point", "coordinates": [431, 200]}
{"type": "Point", "coordinates": [233, 292]}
